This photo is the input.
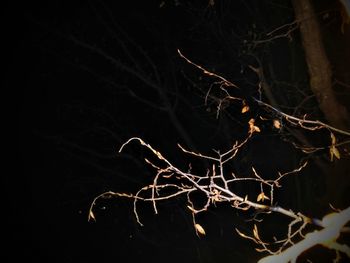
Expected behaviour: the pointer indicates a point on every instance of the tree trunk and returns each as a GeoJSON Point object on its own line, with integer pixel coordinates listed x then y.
{"type": "Point", "coordinates": [320, 72]}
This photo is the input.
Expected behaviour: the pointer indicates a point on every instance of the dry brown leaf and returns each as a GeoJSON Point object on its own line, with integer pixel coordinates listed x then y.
{"type": "Point", "coordinates": [262, 197]}
{"type": "Point", "coordinates": [199, 229]}
{"type": "Point", "coordinates": [245, 109]}
{"type": "Point", "coordinates": [334, 152]}
{"type": "Point", "coordinates": [334, 140]}
{"type": "Point", "coordinates": [252, 127]}
{"type": "Point", "coordinates": [277, 124]}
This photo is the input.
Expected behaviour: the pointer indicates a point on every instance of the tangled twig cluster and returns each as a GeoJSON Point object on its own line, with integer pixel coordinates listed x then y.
{"type": "Point", "coordinates": [218, 182]}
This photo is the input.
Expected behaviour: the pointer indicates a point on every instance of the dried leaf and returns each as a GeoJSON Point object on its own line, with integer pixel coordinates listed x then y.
{"type": "Point", "coordinates": [252, 127]}
{"type": "Point", "coordinates": [245, 109]}
{"type": "Point", "coordinates": [334, 140]}
{"type": "Point", "coordinates": [199, 229]}
{"type": "Point", "coordinates": [262, 197]}
{"type": "Point", "coordinates": [334, 152]}
{"type": "Point", "coordinates": [277, 124]}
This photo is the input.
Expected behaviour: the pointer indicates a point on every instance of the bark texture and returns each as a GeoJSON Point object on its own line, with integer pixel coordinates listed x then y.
{"type": "Point", "coordinates": [320, 72]}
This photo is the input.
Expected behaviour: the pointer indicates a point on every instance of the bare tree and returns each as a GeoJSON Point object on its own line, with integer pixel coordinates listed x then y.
{"type": "Point", "coordinates": [217, 185]}
{"type": "Point", "coordinates": [220, 182]}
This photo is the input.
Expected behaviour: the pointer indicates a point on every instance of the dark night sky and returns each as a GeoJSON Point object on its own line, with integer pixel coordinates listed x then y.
{"type": "Point", "coordinates": [76, 108]}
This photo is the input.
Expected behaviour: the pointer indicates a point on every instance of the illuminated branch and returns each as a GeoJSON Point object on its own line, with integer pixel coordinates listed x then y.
{"type": "Point", "coordinates": [301, 122]}
{"type": "Point", "coordinates": [314, 124]}
{"type": "Point", "coordinates": [327, 237]}
{"type": "Point", "coordinates": [215, 184]}
{"type": "Point", "coordinates": [218, 182]}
